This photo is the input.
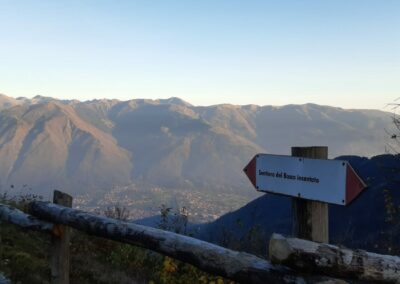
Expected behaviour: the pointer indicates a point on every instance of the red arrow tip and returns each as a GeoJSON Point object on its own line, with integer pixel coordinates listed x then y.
{"type": "Point", "coordinates": [354, 184]}
{"type": "Point", "coordinates": [250, 171]}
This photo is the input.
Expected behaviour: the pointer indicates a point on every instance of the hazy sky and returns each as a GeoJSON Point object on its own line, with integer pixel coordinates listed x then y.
{"type": "Point", "coordinates": [342, 53]}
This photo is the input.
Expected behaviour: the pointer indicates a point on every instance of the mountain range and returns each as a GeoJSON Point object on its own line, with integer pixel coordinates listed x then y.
{"type": "Point", "coordinates": [93, 146]}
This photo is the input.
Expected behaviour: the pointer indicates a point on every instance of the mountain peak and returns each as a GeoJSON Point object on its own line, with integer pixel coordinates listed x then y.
{"type": "Point", "coordinates": [4, 97]}
{"type": "Point", "coordinates": [7, 102]}
{"type": "Point", "coordinates": [42, 99]}
{"type": "Point", "coordinates": [174, 101]}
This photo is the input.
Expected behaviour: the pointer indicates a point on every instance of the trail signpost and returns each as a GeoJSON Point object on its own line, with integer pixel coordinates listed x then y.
{"type": "Point", "coordinates": [312, 180]}
{"type": "Point", "coordinates": [329, 181]}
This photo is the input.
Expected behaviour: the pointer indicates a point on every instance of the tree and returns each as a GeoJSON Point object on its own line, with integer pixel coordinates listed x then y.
{"type": "Point", "coordinates": [393, 147]}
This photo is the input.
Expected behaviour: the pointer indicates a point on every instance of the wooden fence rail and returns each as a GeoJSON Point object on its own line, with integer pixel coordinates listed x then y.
{"type": "Point", "coordinates": [238, 266]}
{"type": "Point", "coordinates": [17, 217]}
{"type": "Point", "coordinates": [332, 260]}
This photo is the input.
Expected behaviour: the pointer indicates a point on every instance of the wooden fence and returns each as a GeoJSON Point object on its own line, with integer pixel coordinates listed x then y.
{"type": "Point", "coordinates": [287, 265]}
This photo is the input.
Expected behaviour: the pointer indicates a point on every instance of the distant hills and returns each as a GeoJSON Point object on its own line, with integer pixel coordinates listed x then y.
{"type": "Point", "coordinates": [370, 222]}
{"type": "Point", "coordinates": [91, 146]}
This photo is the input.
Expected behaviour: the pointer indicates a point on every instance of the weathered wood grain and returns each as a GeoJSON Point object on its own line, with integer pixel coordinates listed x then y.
{"type": "Point", "coordinates": [238, 266]}
{"type": "Point", "coordinates": [60, 240]}
{"type": "Point", "coordinates": [332, 260]}
{"type": "Point", "coordinates": [310, 218]}
{"type": "Point", "coordinates": [17, 217]}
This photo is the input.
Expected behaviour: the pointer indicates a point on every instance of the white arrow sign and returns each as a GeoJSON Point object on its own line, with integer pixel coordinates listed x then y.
{"type": "Point", "coordinates": [330, 181]}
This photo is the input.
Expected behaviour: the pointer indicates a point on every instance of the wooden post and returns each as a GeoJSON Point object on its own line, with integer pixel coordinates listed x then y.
{"type": "Point", "coordinates": [60, 244]}
{"type": "Point", "coordinates": [238, 266]}
{"type": "Point", "coordinates": [310, 218]}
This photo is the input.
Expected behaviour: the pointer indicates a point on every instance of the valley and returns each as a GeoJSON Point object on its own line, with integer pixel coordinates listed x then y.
{"type": "Point", "coordinates": [143, 201]}
{"type": "Point", "coordinates": [143, 153]}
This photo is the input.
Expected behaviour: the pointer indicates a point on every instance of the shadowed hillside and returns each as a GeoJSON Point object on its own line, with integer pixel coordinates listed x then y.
{"type": "Point", "coordinates": [93, 146]}
{"type": "Point", "coordinates": [48, 145]}
{"type": "Point", "coordinates": [370, 222]}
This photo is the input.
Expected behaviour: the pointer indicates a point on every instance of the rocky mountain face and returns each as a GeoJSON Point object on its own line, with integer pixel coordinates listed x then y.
{"type": "Point", "coordinates": [84, 147]}
{"type": "Point", "coordinates": [48, 145]}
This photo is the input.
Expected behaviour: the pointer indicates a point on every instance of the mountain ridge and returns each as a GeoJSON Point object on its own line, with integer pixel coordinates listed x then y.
{"type": "Point", "coordinates": [172, 100]}
{"type": "Point", "coordinates": [83, 147]}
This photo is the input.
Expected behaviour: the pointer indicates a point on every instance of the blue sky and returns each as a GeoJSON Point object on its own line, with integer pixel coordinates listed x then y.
{"type": "Point", "coordinates": [341, 53]}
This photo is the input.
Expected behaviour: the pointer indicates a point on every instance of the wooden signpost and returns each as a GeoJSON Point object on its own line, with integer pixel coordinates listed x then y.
{"type": "Point", "coordinates": [310, 218]}
{"type": "Point", "coordinates": [312, 180]}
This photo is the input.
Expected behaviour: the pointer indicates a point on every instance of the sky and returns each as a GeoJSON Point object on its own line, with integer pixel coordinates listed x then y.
{"type": "Point", "coordinates": [343, 53]}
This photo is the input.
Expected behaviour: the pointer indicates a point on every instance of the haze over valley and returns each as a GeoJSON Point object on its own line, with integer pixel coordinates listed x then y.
{"type": "Point", "coordinates": [143, 153]}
